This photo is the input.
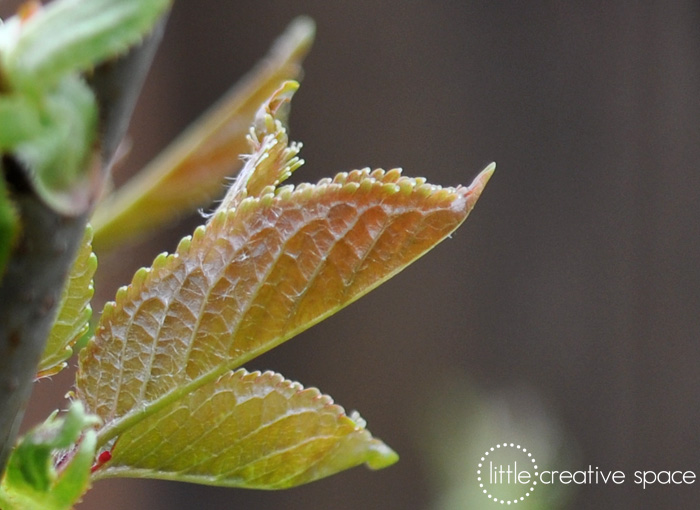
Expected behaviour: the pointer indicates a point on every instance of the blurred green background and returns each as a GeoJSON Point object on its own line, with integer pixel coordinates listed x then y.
{"type": "Point", "coordinates": [563, 314]}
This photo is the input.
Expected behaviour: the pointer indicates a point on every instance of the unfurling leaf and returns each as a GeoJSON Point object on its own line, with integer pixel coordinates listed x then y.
{"type": "Point", "coordinates": [32, 481]}
{"type": "Point", "coordinates": [247, 430]}
{"type": "Point", "coordinates": [74, 311]}
{"type": "Point", "coordinates": [270, 262]}
{"type": "Point", "coordinates": [189, 173]}
{"type": "Point", "coordinates": [273, 158]}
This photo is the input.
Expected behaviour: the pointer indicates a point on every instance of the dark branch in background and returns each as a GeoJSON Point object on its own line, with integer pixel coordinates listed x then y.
{"type": "Point", "coordinates": [31, 288]}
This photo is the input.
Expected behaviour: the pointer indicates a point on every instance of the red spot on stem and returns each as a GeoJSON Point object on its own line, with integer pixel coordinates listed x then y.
{"type": "Point", "coordinates": [102, 459]}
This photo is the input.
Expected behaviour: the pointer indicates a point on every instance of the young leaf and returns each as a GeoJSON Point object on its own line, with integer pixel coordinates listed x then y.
{"type": "Point", "coordinates": [52, 113]}
{"type": "Point", "coordinates": [32, 482]}
{"type": "Point", "coordinates": [189, 173]}
{"type": "Point", "coordinates": [57, 155]}
{"type": "Point", "coordinates": [273, 158]}
{"type": "Point", "coordinates": [74, 311]}
{"type": "Point", "coordinates": [73, 35]}
{"type": "Point", "coordinates": [270, 263]}
{"type": "Point", "coordinates": [248, 430]}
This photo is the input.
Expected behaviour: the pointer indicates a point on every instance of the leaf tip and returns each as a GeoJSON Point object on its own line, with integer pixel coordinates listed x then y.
{"type": "Point", "coordinates": [487, 172]}
{"type": "Point", "coordinates": [479, 183]}
{"type": "Point", "coordinates": [302, 28]}
{"type": "Point", "coordinates": [380, 456]}
{"type": "Point", "coordinates": [377, 455]}
{"type": "Point", "coordinates": [276, 108]}
{"type": "Point", "coordinates": [472, 193]}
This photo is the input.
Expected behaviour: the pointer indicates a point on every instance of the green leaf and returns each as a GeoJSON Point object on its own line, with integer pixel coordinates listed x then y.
{"type": "Point", "coordinates": [189, 173]}
{"type": "Point", "coordinates": [19, 120]}
{"type": "Point", "coordinates": [74, 311]}
{"type": "Point", "coordinates": [269, 263]}
{"type": "Point", "coordinates": [248, 430]}
{"type": "Point", "coordinates": [32, 481]}
{"type": "Point", "coordinates": [53, 139]}
{"type": "Point", "coordinates": [58, 156]}
{"type": "Point", "coordinates": [73, 35]}
{"type": "Point", "coordinates": [49, 115]}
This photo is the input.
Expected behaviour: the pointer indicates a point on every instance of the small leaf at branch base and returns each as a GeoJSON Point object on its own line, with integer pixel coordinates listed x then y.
{"type": "Point", "coordinates": [248, 430]}
{"type": "Point", "coordinates": [74, 311]}
{"type": "Point", "coordinates": [31, 482]}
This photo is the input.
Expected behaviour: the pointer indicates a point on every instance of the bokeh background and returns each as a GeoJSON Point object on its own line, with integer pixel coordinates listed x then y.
{"type": "Point", "coordinates": [563, 314]}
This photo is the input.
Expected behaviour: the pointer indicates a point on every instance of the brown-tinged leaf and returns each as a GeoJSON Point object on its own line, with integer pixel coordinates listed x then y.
{"type": "Point", "coordinates": [269, 263]}
{"type": "Point", "coordinates": [189, 173]}
{"type": "Point", "coordinates": [254, 277]}
{"type": "Point", "coordinates": [248, 430]}
{"type": "Point", "coordinates": [74, 311]}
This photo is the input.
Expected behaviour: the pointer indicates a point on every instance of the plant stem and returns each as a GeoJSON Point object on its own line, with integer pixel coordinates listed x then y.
{"type": "Point", "coordinates": [30, 289]}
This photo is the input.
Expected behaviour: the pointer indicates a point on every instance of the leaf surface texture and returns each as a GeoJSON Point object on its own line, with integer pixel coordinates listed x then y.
{"type": "Point", "coordinates": [248, 430]}
{"type": "Point", "coordinates": [269, 263]}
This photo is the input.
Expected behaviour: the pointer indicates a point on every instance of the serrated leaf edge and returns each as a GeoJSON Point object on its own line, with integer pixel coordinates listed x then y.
{"type": "Point", "coordinates": [376, 456]}
{"type": "Point", "coordinates": [357, 181]}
